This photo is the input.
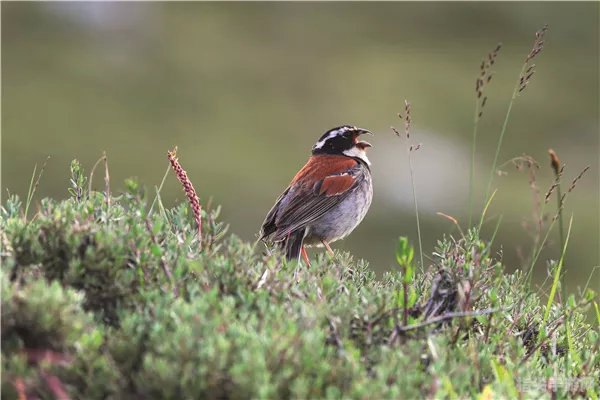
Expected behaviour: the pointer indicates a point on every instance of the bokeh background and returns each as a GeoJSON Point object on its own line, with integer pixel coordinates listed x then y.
{"type": "Point", "coordinates": [245, 89]}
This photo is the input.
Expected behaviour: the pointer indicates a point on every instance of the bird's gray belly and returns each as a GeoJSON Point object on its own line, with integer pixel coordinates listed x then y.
{"type": "Point", "coordinates": [341, 220]}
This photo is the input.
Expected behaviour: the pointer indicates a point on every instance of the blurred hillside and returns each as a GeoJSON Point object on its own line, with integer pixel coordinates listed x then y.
{"type": "Point", "coordinates": [244, 90]}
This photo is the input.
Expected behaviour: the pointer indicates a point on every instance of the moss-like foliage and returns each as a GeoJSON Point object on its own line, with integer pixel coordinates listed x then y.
{"type": "Point", "coordinates": [103, 299]}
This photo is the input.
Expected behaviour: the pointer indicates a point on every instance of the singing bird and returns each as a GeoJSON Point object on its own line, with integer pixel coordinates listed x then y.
{"type": "Point", "coordinates": [327, 198]}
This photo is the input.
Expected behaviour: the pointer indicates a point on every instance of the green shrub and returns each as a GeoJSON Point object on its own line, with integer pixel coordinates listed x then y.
{"type": "Point", "coordinates": [124, 305]}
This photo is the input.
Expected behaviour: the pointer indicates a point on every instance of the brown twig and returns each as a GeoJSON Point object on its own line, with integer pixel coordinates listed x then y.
{"type": "Point", "coordinates": [20, 388]}
{"type": "Point", "coordinates": [453, 220]}
{"type": "Point", "coordinates": [189, 191]}
{"type": "Point", "coordinates": [447, 316]}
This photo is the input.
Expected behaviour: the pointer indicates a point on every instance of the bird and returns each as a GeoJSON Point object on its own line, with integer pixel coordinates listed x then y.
{"type": "Point", "coordinates": [328, 197]}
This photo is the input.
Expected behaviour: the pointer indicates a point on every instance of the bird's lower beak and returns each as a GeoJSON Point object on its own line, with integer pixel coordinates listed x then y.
{"type": "Point", "coordinates": [363, 144]}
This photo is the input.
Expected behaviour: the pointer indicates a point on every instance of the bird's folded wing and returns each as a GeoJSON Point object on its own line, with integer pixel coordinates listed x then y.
{"type": "Point", "coordinates": [310, 203]}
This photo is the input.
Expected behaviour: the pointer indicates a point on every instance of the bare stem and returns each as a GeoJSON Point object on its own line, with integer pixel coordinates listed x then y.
{"type": "Point", "coordinates": [447, 316]}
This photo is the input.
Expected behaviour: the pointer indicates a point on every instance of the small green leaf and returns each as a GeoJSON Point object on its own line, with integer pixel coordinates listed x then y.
{"type": "Point", "coordinates": [412, 298]}
{"type": "Point", "coordinates": [571, 301]}
{"type": "Point", "coordinates": [589, 295]}
{"type": "Point", "coordinates": [404, 252]}
{"type": "Point", "coordinates": [156, 250]}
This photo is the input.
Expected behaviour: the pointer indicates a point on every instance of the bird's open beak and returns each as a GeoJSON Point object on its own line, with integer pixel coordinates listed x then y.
{"type": "Point", "coordinates": [362, 144]}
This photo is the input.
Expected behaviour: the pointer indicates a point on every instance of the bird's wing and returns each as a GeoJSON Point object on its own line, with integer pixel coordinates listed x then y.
{"type": "Point", "coordinates": [318, 187]}
{"type": "Point", "coordinates": [268, 226]}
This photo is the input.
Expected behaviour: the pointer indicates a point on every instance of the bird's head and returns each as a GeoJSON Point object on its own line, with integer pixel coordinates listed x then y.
{"type": "Point", "coordinates": [343, 140]}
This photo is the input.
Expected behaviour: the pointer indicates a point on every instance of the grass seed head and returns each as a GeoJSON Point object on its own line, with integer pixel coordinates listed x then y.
{"type": "Point", "coordinates": [485, 77]}
{"type": "Point", "coordinates": [189, 190]}
{"type": "Point", "coordinates": [554, 162]}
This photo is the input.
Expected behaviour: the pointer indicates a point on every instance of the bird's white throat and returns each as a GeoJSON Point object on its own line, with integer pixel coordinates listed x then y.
{"type": "Point", "coordinates": [358, 153]}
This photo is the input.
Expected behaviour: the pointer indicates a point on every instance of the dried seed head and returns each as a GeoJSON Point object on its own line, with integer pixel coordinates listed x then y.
{"type": "Point", "coordinates": [554, 162]}
{"type": "Point", "coordinates": [549, 193]}
{"type": "Point", "coordinates": [529, 68]}
{"type": "Point", "coordinates": [485, 76]}
{"type": "Point", "coordinates": [407, 118]}
{"type": "Point", "coordinates": [538, 44]}
{"type": "Point", "coordinates": [189, 190]}
{"type": "Point", "coordinates": [574, 183]}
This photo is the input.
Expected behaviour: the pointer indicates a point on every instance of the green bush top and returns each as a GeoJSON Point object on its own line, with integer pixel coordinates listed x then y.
{"type": "Point", "coordinates": [103, 299]}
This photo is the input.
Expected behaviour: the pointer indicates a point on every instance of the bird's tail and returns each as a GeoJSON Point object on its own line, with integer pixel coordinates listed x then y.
{"type": "Point", "coordinates": [293, 244]}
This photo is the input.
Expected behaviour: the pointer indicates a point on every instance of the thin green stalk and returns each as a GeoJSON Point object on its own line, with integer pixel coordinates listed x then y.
{"type": "Point", "coordinates": [502, 132]}
{"type": "Point", "coordinates": [33, 184]}
{"type": "Point", "coordinates": [30, 191]}
{"type": "Point", "coordinates": [538, 251]}
{"type": "Point", "coordinates": [587, 284]}
{"type": "Point", "coordinates": [159, 188]}
{"type": "Point", "coordinates": [491, 241]}
{"type": "Point", "coordinates": [556, 278]}
{"type": "Point", "coordinates": [472, 171]}
{"type": "Point", "coordinates": [414, 190]}
{"type": "Point", "coordinates": [90, 181]}
{"type": "Point", "coordinates": [485, 208]}
{"type": "Point", "coordinates": [560, 217]}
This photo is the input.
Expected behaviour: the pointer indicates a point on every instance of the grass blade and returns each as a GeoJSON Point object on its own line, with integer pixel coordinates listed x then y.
{"type": "Point", "coordinates": [557, 271]}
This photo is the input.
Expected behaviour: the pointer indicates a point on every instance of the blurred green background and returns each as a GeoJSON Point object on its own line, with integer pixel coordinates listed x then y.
{"type": "Point", "coordinates": [245, 89]}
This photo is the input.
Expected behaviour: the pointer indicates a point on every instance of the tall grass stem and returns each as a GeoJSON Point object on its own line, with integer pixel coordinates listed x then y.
{"type": "Point", "coordinates": [30, 191]}
{"type": "Point", "coordinates": [159, 188]}
{"type": "Point", "coordinates": [502, 132]}
{"type": "Point", "coordinates": [414, 190]}
{"type": "Point", "coordinates": [556, 280]}
{"type": "Point", "coordinates": [560, 216]}
{"type": "Point", "coordinates": [472, 170]}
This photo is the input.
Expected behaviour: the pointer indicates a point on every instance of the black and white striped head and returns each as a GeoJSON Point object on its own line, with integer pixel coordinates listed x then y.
{"type": "Point", "coordinates": [343, 140]}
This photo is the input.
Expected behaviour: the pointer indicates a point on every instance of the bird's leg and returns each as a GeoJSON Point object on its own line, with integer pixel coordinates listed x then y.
{"type": "Point", "coordinates": [327, 247]}
{"type": "Point", "coordinates": [305, 256]}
